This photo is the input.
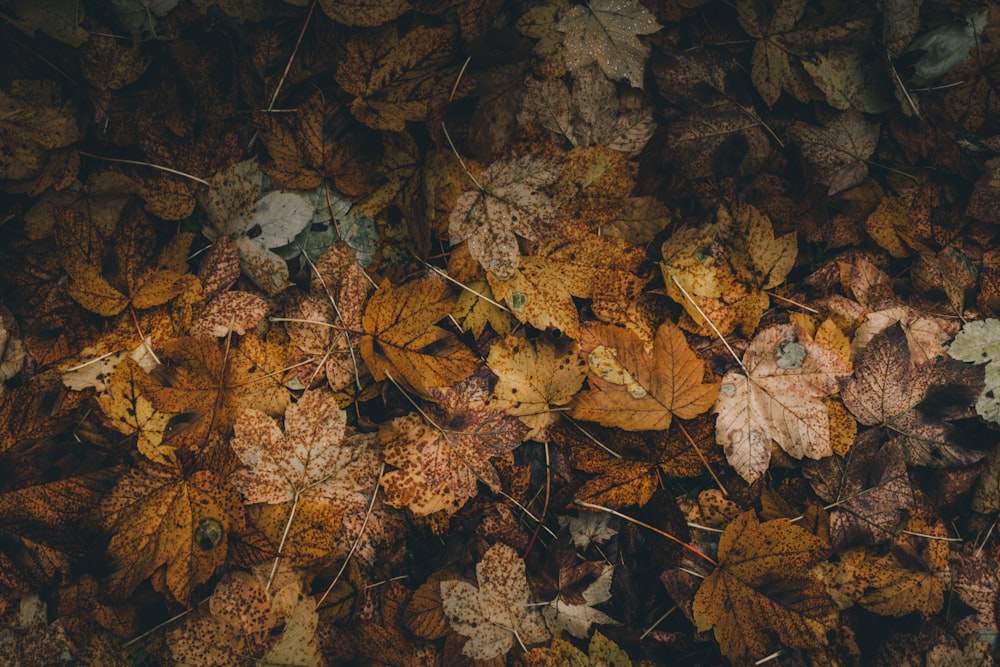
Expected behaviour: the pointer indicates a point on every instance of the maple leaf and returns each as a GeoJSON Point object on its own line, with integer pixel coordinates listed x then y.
{"type": "Point", "coordinates": [911, 403]}
{"type": "Point", "coordinates": [601, 652]}
{"type": "Point", "coordinates": [168, 526]}
{"type": "Point", "coordinates": [440, 462]}
{"type": "Point", "coordinates": [541, 289]}
{"type": "Point", "coordinates": [39, 519]}
{"type": "Point", "coordinates": [604, 31]}
{"type": "Point", "coordinates": [133, 414]}
{"type": "Point", "coordinates": [587, 116]}
{"type": "Point", "coordinates": [205, 389]}
{"type": "Point", "coordinates": [571, 588]}
{"type": "Point", "coordinates": [762, 587]}
{"type": "Point", "coordinates": [535, 378]}
{"type": "Point", "coordinates": [870, 488]}
{"type": "Point", "coordinates": [36, 129]}
{"type": "Point", "coordinates": [979, 343]}
{"type": "Point", "coordinates": [141, 286]}
{"type": "Point", "coordinates": [248, 623]}
{"type": "Point", "coordinates": [631, 473]}
{"type": "Point", "coordinates": [509, 202]}
{"type": "Point", "coordinates": [496, 612]}
{"type": "Point", "coordinates": [838, 150]}
{"type": "Point", "coordinates": [237, 207]}
{"type": "Point", "coordinates": [638, 387]}
{"type": "Point", "coordinates": [402, 336]}
{"type": "Point", "coordinates": [395, 78]}
{"type": "Point", "coordinates": [778, 400]}
{"type": "Point", "coordinates": [364, 12]}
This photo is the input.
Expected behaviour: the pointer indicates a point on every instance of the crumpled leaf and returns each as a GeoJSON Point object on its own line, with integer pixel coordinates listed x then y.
{"type": "Point", "coordinates": [402, 339]}
{"type": "Point", "coordinates": [605, 32]}
{"type": "Point", "coordinates": [640, 387]}
{"type": "Point", "coordinates": [438, 470]}
{"type": "Point", "coordinates": [762, 587]}
{"type": "Point", "coordinates": [913, 403]}
{"type": "Point", "coordinates": [779, 400]}
{"type": "Point", "coordinates": [490, 614]}
{"type": "Point", "coordinates": [29, 639]}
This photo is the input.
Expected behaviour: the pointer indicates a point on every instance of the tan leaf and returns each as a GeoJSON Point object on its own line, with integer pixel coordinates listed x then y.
{"type": "Point", "coordinates": [495, 612]}
{"type": "Point", "coordinates": [403, 339]}
{"type": "Point", "coordinates": [510, 203]}
{"type": "Point", "coordinates": [779, 401]}
{"type": "Point", "coordinates": [605, 32]}
{"type": "Point", "coordinates": [743, 601]}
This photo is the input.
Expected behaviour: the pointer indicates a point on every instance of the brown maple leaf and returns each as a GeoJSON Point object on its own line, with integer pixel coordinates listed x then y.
{"type": "Point", "coordinates": [509, 202]}
{"type": "Point", "coordinates": [440, 462]}
{"type": "Point", "coordinates": [641, 387]}
{"type": "Point", "coordinates": [778, 398]}
{"type": "Point", "coordinates": [762, 587]}
{"type": "Point", "coordinates": [206, 384]}
{"type": "Point", "coordinates": [913, 403]}
{"type": "Point", "coordinates": [169, 526]}
{"type": "Point", "coordinates": [402, 339]}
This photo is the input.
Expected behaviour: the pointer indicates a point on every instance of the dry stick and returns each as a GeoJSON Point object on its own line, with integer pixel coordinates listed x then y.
{"type": "Point", "coordinates": [466, 287]}
{"type": "Point", "coordinates": [165, 623]}
{"type": "Point", "coordinates": [663, 533]}
{"type": "Point", "coordinates": [357, 541]}
{"type": "Point", "coordinates": [288, 67]}
{"type": "Point", "coordinates": [284, 537]}
{"type": "Point", "coordinates": [657, 622]}
{"type": "Point", "coordinates": [147, 164]}
{"type": "Point", "coordinates": [986, 539]}
{"type": "Point", "coordinates": [794, 303]}
{"type": "Point", "coordinates": [701, 456]}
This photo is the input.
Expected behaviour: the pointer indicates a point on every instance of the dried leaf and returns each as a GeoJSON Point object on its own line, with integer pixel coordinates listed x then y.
{"type": "Point", "coordinates": [495, 612]}
{"type": "Point", "coordinates": [780, 400]}
{"type": "Point", "coordinates": [762, 587]}
{"type": "Point", "coordinates": [639, 387]}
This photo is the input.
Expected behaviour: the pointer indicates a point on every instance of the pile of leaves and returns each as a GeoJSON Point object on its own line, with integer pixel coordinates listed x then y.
{"type": "Point", "coordinates": [403, 332]}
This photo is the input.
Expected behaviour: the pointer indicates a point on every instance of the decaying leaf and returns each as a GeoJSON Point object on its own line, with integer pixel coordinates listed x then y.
{"type": "Point", "coordinates": [779, 400]}
{"type": "Point", "coordinates": [440, 460]}
{"type": "Point", "coordinates": [605, 32]}
{"type": "Point", "coordinates": [404, 342]}
{"type": "Point", "coordinates": [496, 611]}
{"type": "Point", "coordinates": [762, 588]}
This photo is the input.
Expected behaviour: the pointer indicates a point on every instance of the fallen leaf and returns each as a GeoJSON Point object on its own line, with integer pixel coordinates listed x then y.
{"type": "Point", "coordinates": [441, 458]}
{"type": "Point", "coordinates": [535, 379]}
{"type": "Point", "coordinates": [762, 587]}
{"type": "Point", "coordinates": [839, 149]}
{"type": "Point", "coordinates": [402, 337]}
{"type": "Point", "coordinates": [364, 12]}
{"type": "Point", "coordinates": [640, 387]}
{"type": "Point", "coordinates": [779, 400]}
{"type": "Point", "coordinates": [605, 32]}
{"type": "Point", "coordinates": [510, 202]}
{"type": "Point", "coordinates": [979, 343]}
{"type": "Point", "coordinates": [168, 526]}
{"type": "Point", "coordinates": [495, 612]}
{"type": "Point", "coordinates": [887, 391]}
